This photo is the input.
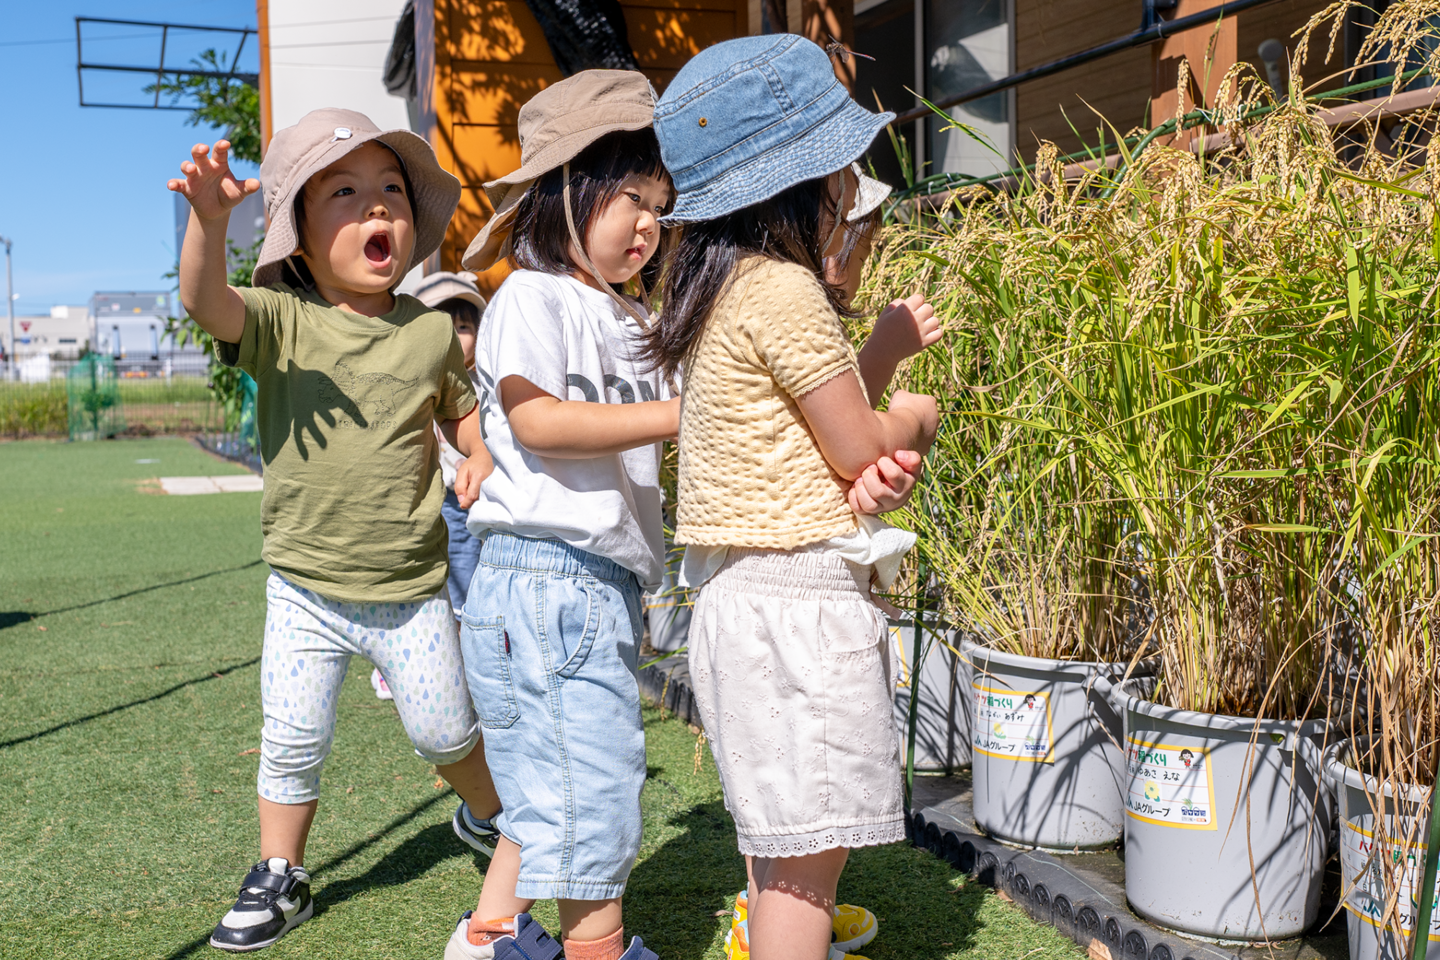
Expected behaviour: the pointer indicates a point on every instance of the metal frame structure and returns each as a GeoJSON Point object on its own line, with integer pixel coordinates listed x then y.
{"type": "Point", "coordinates": [159, 71]}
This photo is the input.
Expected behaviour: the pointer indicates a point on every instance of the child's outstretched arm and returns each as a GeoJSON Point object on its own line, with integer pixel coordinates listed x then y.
{"type": "Point", "coordinates": [213, 192]}
{"type": "Point", "coordinates": [576, 429]}
{"type": "Point", "coordinates": [853, 437]}
{"type": "Point", "coordinates": [903, 329]}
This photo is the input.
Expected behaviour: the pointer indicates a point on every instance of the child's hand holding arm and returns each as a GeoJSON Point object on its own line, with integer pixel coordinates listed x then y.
{"type": "Point", "coordinates": [853, 437]}
{"type": "Point", "coordinates": [886, 484]}
{"type": "Point", "coordinates": [213, 192]}
{"type": "Point", "coordinates": [464, 435]}
{"type": "Point", "coordinates": [576, 429]}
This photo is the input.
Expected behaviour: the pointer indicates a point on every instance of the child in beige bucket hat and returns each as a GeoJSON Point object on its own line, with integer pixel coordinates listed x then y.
{"type": "Point", "coordinates": [571, 517]}
{"type": "Point", "coordinates": [351, 381]}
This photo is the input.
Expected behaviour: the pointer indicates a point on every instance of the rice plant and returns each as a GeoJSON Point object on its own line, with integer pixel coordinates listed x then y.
{"type": "Point", "coordinates": [1191, 412]}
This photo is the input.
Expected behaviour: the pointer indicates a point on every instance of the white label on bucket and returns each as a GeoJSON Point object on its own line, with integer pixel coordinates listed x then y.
{"type": "Point", "coordinates": [1013, 724]}
{"type": "Point", "coordinates": [1169, 785]}
{"type": "Point", "coordinates": [1363, 870]}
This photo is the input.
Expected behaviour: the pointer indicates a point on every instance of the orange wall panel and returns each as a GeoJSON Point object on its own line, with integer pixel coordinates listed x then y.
{"type": "Point", "coordinates": [496, 30]}
{"type": "Point", "coordinates": [494, 92]}
{"type": "Point", "coordinates": [669, 38]}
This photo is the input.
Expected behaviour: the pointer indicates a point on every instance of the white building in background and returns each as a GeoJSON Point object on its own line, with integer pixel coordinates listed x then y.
{"type": "Point", "coordinates": [61, 334]}
{"type": "Point", "coordinates": [327, 53]}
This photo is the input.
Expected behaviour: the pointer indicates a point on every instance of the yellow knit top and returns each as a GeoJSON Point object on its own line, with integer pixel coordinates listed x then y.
{"type": "Point", "coordinates": [751, 472]}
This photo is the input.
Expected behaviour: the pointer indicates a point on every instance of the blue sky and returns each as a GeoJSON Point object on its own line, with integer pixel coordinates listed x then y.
{"type": "Point", "coordinates": [82, 191]}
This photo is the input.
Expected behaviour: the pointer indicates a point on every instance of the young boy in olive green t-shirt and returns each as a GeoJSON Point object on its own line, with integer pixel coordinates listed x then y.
{"type": "Point", "coordinates": [350, 381]}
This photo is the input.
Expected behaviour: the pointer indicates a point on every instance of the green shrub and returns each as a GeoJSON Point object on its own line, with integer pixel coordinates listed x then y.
{"type": "Point", "coordinates": [33, 410]}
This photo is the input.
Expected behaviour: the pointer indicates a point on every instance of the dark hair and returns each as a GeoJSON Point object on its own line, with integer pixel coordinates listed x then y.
{"type": "Point", "coordinates": [462, 310]}
{"type": "Point", "coordinates": [785, 227]}
{"type": "Point", "coordinates": [296, 273]}
{"type": "Point", "coordinates": [540, 236]}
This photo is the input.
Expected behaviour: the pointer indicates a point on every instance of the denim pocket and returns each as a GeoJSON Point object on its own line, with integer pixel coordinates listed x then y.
{"type": "Point", "coordinates": [486, 648]}
{"type": "Point", "coordinates": [576, 608]}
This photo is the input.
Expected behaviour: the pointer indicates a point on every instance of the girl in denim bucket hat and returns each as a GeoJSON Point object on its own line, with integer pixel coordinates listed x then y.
{"type": "Point", "coordinates": [570, 519]}
{"type": "Point", "coordinates": [783, 462]}
{"type": "Point", "coordinates": [352, 380]}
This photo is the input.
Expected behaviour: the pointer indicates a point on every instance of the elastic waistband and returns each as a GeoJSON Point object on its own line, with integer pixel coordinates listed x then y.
{"type": "Point", "coordinates": [548, 556]}
{"type": "Point", "coordinates": [793, 575]}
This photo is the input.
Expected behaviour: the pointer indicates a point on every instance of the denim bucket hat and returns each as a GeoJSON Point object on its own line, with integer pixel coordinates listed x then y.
{"type": "Point", "coordinates": [747, 118]}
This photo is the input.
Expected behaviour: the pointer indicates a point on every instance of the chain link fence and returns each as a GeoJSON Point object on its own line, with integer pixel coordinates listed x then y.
{"type": "Point", "coordinates": [168, 394]}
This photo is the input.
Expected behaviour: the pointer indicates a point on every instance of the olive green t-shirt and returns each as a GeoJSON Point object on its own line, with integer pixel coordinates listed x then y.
{"type": "Point", "coordinates": [344, 407]}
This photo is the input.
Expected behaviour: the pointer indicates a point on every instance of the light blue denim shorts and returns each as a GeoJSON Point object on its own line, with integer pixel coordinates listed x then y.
{"type": "Point", "coordinates": [550, 636]}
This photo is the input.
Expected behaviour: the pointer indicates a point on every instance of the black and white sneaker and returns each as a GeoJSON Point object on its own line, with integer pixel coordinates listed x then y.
{"type": "Point", "coordinates": [479, 835]}
{"type": "Point", "coordinates": [274, 899]}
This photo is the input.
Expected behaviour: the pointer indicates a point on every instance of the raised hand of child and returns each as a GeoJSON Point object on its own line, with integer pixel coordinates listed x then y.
{"type": "Point", "coordinates": [903, 329]}
{"type": "Point", "coordinates": [209, 185]}
{"type": "Point", "coordinates": [886, 484]}
{"type": "Point", "coordinates": [906, 327]}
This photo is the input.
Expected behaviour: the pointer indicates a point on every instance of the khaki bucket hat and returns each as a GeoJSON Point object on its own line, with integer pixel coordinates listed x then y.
{"type": "Point", "coordinates": [443, 285]}
{"type": "Point", "coordinates": [320, 138]}
{"type": "Point", "coordinates": [555, 125]}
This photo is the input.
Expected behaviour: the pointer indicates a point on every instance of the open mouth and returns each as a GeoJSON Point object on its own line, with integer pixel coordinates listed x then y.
{"type": "Point", "coordinates": [636, 252]}
{"type": "Point", "coordinates": [377, 249]}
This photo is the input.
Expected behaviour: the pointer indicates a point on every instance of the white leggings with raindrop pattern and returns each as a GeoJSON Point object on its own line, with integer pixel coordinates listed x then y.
{"type": "Point", "coordinates": [309, 641]}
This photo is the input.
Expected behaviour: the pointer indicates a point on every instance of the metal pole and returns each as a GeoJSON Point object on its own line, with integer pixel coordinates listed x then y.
{"type": "Point", "coordinates": [10, 310]}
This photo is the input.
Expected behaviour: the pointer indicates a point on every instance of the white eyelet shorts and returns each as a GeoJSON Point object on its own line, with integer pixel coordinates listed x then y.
{"type": "Point", "coordinates": [791, 670]}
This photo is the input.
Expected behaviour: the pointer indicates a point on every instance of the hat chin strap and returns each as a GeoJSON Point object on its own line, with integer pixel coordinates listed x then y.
{"type": "Point", "coordinates": [589, 267]}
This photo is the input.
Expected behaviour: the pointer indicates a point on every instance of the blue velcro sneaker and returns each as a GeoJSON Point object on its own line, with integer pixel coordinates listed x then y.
{"type": "Point", "coordinates": [747, 118]}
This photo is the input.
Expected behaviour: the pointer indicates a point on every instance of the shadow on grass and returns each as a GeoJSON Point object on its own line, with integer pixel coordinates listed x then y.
{"type": "Point", "coordinates": [12, 618]}
{"type": "Point", "coordinates": [407, 862]}
{"type": "Point", "coordinates": [675, 891]}
{"type": "Point", "coordinates": [213, 675]}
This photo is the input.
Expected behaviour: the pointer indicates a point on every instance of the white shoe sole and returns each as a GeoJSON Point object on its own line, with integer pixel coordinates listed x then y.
{"type": "Point", "coordinates": [850, 946]}
{"type": "Point", "coordinates": [467, 837]}
{"type": "Point", "coordinates": [290, 924]}
{"type": "Point", "coordinates": [381, 693]}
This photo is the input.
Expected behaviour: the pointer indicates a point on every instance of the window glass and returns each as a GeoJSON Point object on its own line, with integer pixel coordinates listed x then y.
{"type": "Point", "coordinates": [968, 43]}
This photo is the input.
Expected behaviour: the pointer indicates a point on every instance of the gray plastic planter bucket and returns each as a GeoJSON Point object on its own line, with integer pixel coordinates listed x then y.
{"type": "Point", "coordinates": [1364, 874]}
{"type": "Point", "coordinates": [942, 734]}
{"type": "Point", "coordinates": [1045, 756]}
{"type": "Point", "coordinates": [1191, 834]}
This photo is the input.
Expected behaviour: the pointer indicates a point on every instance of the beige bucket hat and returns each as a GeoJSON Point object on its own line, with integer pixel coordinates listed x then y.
{"type": "Point", "coordinates": [555, 125]}
{"type": "Point", "coordinates": [320, 138]}
{"type": "Point", "coordinates": [443, 285]}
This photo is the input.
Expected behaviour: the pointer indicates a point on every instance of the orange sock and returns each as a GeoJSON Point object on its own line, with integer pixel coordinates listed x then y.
{"type": "Point", "coordinates": [606, 948]}
{"type": "Point", "coordinates": [482, 932]}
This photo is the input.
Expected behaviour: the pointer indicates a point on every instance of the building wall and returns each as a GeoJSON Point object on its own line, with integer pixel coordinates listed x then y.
{"type": "Point", "coordinates": [1118, 87]}
{"type": "Point", "coordinates": [490, 57]}
{"type": "Point", "coordinates": [61, 333]}
{"type": "Point", "coordinates": [327, 53]}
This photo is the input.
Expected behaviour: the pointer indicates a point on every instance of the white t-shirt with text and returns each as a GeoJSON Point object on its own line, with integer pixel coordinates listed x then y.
{"type": "Point", "coordinates": [575, 343]}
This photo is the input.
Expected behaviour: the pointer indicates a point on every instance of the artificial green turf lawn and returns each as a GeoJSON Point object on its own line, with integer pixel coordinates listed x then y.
{"type": "Point", "coordinates": [130, 627]}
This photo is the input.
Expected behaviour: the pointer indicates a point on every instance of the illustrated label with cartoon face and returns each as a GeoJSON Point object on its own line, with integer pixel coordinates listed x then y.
{"type": "Point", "coordinates": [1013, 724]}
{"type": "Point", "coordinates": [1364, 868]}
{"type": "Point", "coordinates": [1169, 785]}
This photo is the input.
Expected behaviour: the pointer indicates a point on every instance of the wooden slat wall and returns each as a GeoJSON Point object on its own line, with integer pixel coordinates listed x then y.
{"type": "Point", "coordinates": [1119, 86]}
{"type": "Point", "coordinates": [491, 57]}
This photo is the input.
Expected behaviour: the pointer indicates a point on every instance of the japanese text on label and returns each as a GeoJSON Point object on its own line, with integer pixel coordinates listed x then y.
{"type": "Point", "coordinates": [1169, 785]}
{"type": "Point", "coordinates": [1013, 724]}
{"type": "Point", "coordinates": [1364, 868]}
